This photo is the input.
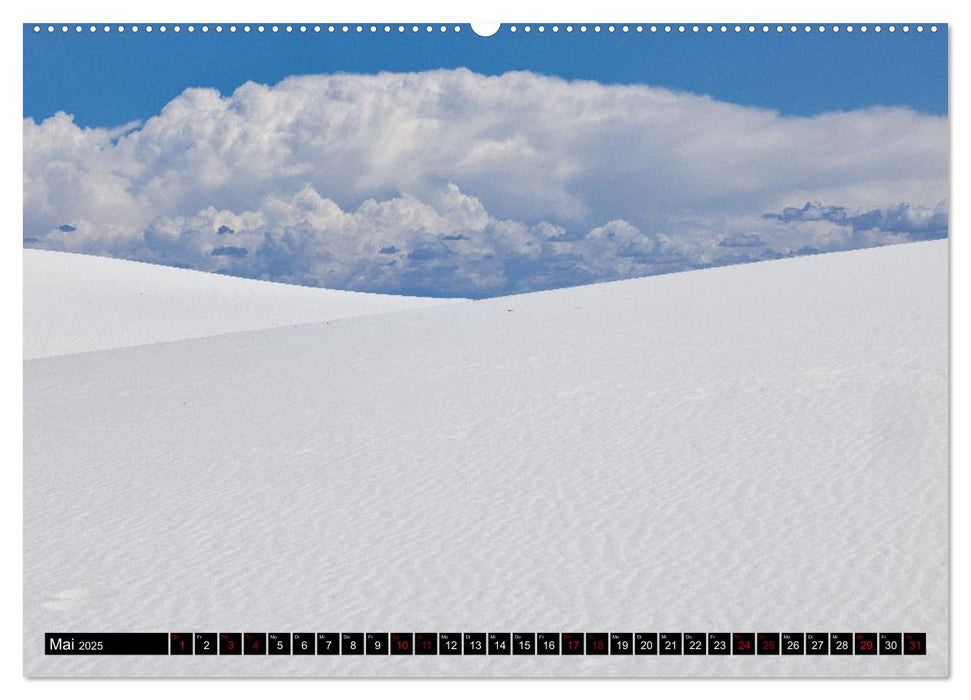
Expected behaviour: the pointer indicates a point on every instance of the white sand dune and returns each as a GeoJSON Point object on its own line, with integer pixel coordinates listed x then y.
{"type": "Point", "coordinates": [752, 448]}
{"type": "Point", "coordinates": [79, 303]}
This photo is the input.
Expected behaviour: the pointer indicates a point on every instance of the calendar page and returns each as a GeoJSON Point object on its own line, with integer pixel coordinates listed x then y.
{"type": "Point", "coordinates": [522, 350]}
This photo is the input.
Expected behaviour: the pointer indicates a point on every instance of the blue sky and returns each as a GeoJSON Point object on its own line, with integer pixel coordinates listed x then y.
{"type": "Point", "coordinates": [109, 79]}
{"type": "Point", "coordinates": [447, 164]}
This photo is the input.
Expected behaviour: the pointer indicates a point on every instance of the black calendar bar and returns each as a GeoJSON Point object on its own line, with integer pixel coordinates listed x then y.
{"type": "Point", "coordinates": [106, 643]}
{"type": "Point", "coordinates": [498, 644]}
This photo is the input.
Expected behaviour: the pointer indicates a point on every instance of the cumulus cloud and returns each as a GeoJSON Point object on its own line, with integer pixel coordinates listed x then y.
{"type": "Point", "coordinates": [742, 240]}
{"type": "Point", "coordinates": [449, 182]}
{"type": "Point", "coordinates": [914, 222]}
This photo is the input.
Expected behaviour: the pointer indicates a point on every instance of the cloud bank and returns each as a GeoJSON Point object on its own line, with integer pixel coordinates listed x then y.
{"type": "Point", "coordinates": [453, 183]}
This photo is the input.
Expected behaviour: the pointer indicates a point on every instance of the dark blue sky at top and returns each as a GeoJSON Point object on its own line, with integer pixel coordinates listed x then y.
{"type": "Point", "coordinates": [108, 79]}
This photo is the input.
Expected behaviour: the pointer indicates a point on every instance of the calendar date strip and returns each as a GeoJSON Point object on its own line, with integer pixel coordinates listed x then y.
{"type": "Point", "coordinates": [486, 643]}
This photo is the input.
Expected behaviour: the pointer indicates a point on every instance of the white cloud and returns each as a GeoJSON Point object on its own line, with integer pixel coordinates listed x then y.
{"type": "Point", "coordinates": [478, 184]}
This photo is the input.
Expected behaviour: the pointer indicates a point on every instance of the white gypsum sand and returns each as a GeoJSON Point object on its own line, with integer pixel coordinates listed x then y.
{"type": "Point", "coordinates": [753, 448]}
{"type": "Point", "coordinates": [79, 303]}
